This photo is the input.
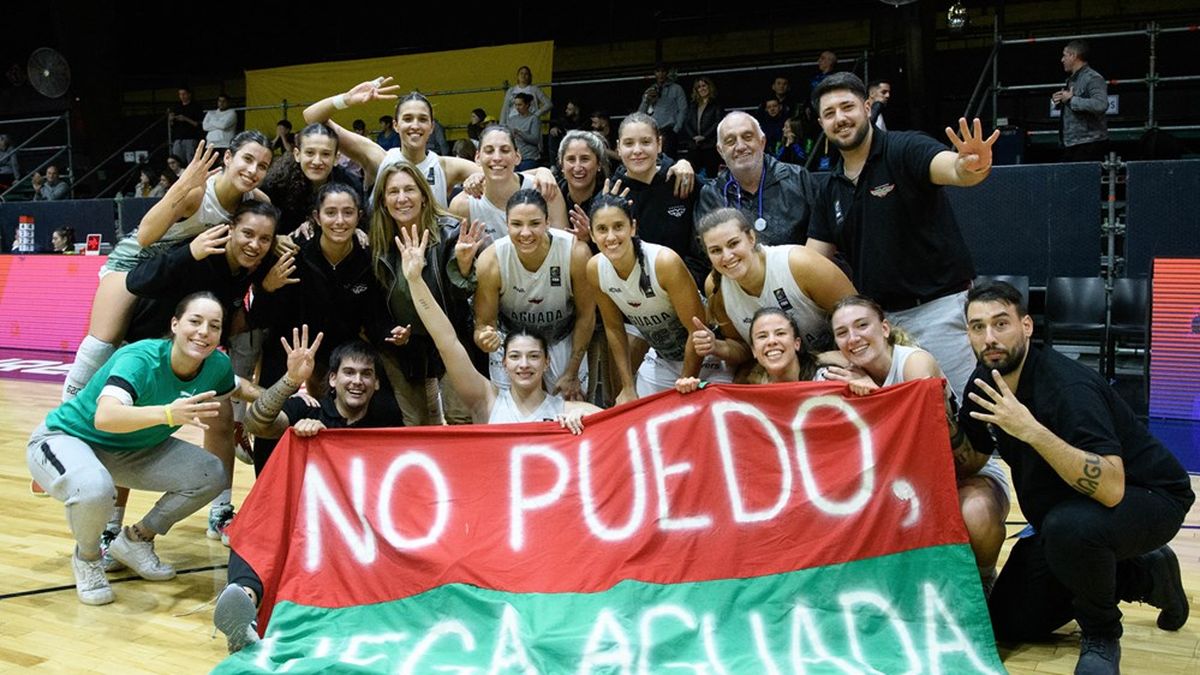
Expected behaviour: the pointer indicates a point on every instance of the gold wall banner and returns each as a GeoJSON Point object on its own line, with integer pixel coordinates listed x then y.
{"type": "Point", "coordinates": [433, 71]}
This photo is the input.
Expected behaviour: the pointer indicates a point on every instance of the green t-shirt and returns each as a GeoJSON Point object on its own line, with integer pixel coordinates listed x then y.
{"type": "Point", "coordinates": [144, 370]}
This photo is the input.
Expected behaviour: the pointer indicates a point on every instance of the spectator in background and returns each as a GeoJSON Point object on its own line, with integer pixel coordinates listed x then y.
{"type": "Point", "coordinates": [166, 178]}
{"type": "Point", "coordinates": [602, 124]}
{"type": "Point", "coordinates": [700, 126]}
{"type": "Point", "coordinates": [781, 92]}
{"type": "Point", "coordinates": [387, 137]}
{"type": "Point", "coordinates": [9, 171]}
{"type": "Point", "coordinates": [350, 166]}
{"type": "Point", "coordinates": [666, 102]}
{"type": "Point", "coordinates": [147, 182]}
{"type": "Point", "coordinates": [539, 103]}
{"type": "Point", "coordinates": [174, 165]}
{"type": "Point", "coordinates": [1083, 102]}
{"type": "Point", "coordinates": [477, 124]}
{"type": "Point", "coordinates": [793, 149]}
{"type": "Point", "coordinates": [772, 121]}
{"type": "Point", "coordinates": [465, 148]}
{"type": "Point", "coordinates": [571, 119]}
{"type": "Point", "coordinates": [221, 125]}
{"type": "Point", "coordinates": [526, 130]}
{"type": "Point", "coordinates": [185, 124]}
{"type": "Point", "coordinates": [52, 187]}
{"type": "Point", "coordinates": [62, 240]}
{"type": "Point", "coordinates": [879, 92]}
{"type": "Point", "coordinates": [437, 140]}
{"type": "Point", "coordinates": [826, 62]}
{"type": "Point", "coordinates": [284, 141]}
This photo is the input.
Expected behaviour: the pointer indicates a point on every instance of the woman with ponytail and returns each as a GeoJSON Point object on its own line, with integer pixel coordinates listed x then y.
{"type": "Point", "coordinates": [648, 286]}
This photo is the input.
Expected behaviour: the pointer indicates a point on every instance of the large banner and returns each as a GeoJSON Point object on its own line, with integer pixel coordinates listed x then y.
{"type": "Point", "coordinates": [740, 529]}
{"type": "Point", "coordinates": [479, 72]}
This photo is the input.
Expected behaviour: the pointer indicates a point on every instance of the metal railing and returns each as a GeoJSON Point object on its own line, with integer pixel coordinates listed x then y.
{"type": "Point", "coordinates": [56, 150]}
{"type": "Point", "coordinates": [1151, 80]}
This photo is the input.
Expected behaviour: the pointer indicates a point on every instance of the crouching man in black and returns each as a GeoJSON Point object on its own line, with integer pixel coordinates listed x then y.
{"type": "Point", "coordinates": [1102, 495]}
{"type": "Point", "coordinates": [353, 381]}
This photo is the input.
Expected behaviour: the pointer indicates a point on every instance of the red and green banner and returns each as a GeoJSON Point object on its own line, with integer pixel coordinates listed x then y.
{"type": "Point", "coordinates": [740, 529]}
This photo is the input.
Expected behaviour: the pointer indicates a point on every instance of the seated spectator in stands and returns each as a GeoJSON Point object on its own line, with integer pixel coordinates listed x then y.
{"type": "Point", "coordinates": [387, 137]}
{"type": "Point", "coordinates": [602, 124]}
{"type": "Point", "coordinates": [772, 119]}
{"type": "Point", "coordinates": [62, 240]}
{"type": "Point", "coordinates": [147, 182]}
{"type": "Point", "coordinates": [9, 171]}
{"type": "Point", "coordinates": [793, 149]}
{"type": "Point", "coordinates": [776, 197]}
{"type": "Point", "coordinates": [526, 130]}
{"type": "Point", "coordinates": [539, 104]}
{"type": "Point", "coordinates": [700, 127]}
{"type": "Point", "coordinates": [284, 141]}
{"type": "Point", "coordinates": [51, 187]}
{"type": "Point", "coordinates": [879, 92]}
{"type": "Point", "coordinates": [166, 178]}
{"type": "Point", "coordinates": [350, 166]}
{"type": "Point", "coordinates": [571, 118]}
{"type": "Point", "coordinates": [477, 124]}
{"type": "Point", "coordinates": [175, 165]}
{"type": "Point", "coordinates": [780, 92]}
{"type": "Point", "coordinates": [221, 124]}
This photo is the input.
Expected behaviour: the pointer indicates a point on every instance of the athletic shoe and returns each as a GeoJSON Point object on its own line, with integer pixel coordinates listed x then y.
{"type": "Point", "coordinates": [90, 582]}
{"type": "Point", "coordinates": [37, 490]}
{"type": "Point", "coordinates": [111, 564]}
{"type": "Point", "coordinates": [1099, 656]}
{"type": "Point", "coordinates": [218, 520]}
{"type": "Point", "coordinates": [243, 444]}
{"type": "Point", "coordinates": [1166, 588]}
{"type": "Point", "coordinates": [236, 617]}
{"type": "Point", "coordinates": [140, 557]}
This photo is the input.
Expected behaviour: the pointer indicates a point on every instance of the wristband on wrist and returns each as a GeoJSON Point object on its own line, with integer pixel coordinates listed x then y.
{"type": "Point", "coordinates": [339, 102]}
{"type": "Point", "coordinates": [167, 413]}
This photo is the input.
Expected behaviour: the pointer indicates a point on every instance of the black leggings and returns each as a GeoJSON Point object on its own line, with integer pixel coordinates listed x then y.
{"type": "Point", "coordinates": [1084, 558]}
{"type": "Point", "coordinates": [241, 573]}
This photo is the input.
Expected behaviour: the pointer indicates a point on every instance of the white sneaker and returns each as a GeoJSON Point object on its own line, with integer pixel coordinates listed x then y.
{"type": "Point", "coordinates": [236, 617]}
{"type": "Point", "coordinates": [140, 557]}
{"type": "Point", "coordinates": [90, 582]}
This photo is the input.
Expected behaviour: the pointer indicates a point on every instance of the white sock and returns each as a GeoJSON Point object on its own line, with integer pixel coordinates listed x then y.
{"type": "Point", "coordinates": [222, 500]}
{"type": "Point", "coordinates": [115, 519]}
{"type": "Point", "coordinates": [92, 354]}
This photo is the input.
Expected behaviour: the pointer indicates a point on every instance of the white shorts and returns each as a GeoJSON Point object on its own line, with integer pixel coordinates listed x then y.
{"type": "Point", "coordinates": [995, 476]}
{"type": "Point", "coordinates": [658, 374]}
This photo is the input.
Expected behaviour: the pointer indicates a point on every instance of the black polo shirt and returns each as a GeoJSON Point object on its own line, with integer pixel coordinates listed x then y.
{"type": "Point", "coordinates": [327, 413]}
{"type": "Point", "coordinates": [1078, 406]}
{"type": "Point", "coordinates": [894, 226]}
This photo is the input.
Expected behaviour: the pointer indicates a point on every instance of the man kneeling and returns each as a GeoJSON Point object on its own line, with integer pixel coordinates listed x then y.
{"type": "Point", "coordinates": [1103, 496]}
{"type": "Point", "coordinates": [352, 383]}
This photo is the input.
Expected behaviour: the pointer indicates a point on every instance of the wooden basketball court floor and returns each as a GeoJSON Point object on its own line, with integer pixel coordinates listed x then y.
{"type": "Point", "coordinates": [166, 627]}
